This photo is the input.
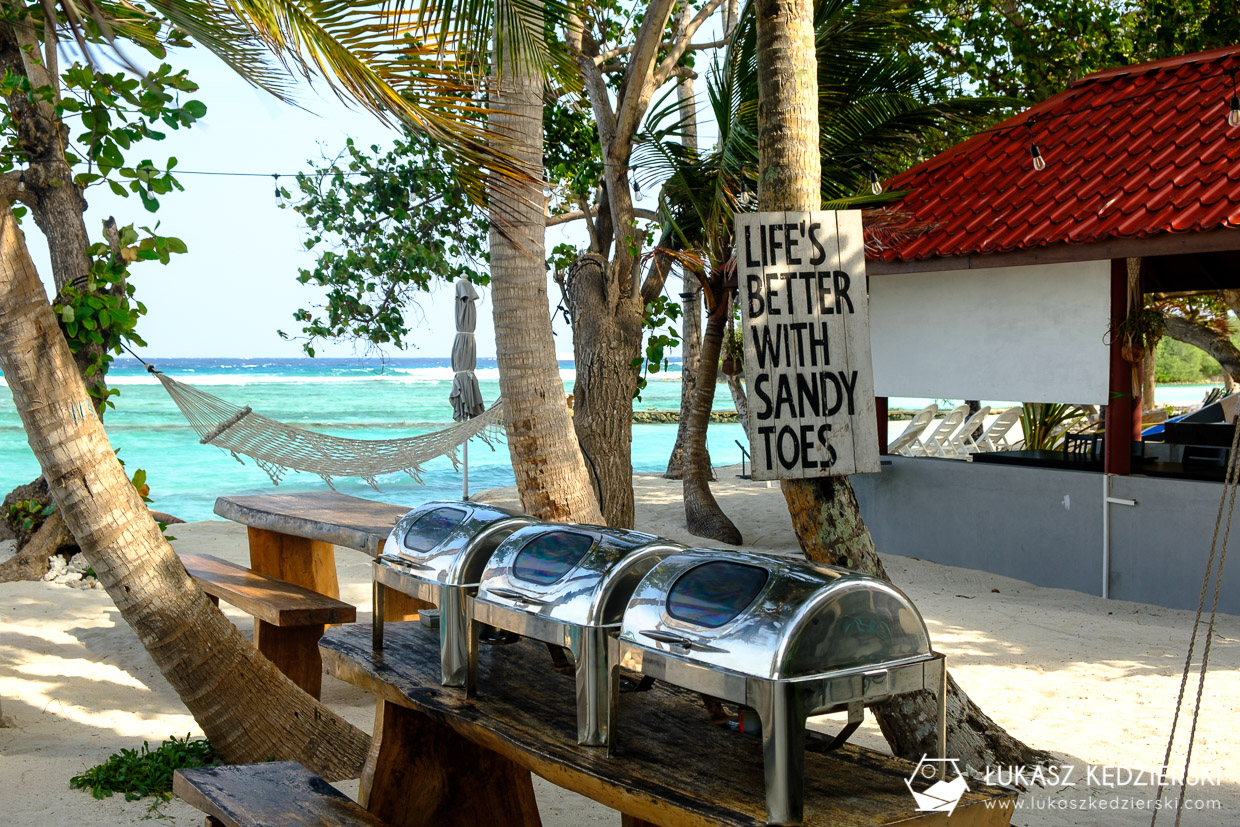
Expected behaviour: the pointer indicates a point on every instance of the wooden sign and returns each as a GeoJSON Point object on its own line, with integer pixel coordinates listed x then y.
{"type": "Point", "coordinates": [805, 318]}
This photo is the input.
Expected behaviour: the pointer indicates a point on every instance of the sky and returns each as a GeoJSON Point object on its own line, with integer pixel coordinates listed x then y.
{"type": "Point", "coordinates": [237, 284]}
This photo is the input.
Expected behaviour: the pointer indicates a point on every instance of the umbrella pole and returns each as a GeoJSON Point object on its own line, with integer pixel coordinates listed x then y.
{"type": "Point", "coordinates": [466, 495]}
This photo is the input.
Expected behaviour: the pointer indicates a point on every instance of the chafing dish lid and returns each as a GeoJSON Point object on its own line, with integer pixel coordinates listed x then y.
{"type": "Point", "coordinates": [576, 573]}
{"type": "Point", "coordinates": [442, 540]}
{"type": "Point", "coordinates": [771, 617]}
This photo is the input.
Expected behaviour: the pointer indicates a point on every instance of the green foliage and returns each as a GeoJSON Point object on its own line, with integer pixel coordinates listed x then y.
{"type": "Point", "coordinates": [384, 226]}
{"type": "Point", "coordinates": [137, 774]}
{"type": "Point", "coordinates": [101, 313]}
{"type": "Point", "coordinates": [1045, 422]}
{"type": "Point", "coordinates": [1034, 49]}
{"type": "Point", "coordinates": [106, 116]}
{"type": "Point", "coordinates": [659, 318]}
{"type": "Point", "coordinates": [1176, 361]}
{"type": "Point", "coordinates": [26, 515]}
{"type": "Point", "coordinates": [571, 152]}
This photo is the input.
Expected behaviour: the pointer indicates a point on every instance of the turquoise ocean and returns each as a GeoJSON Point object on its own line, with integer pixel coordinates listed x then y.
{"type": "Point", "coordinates": [360, 399]}
{"type": "Point", "coordinates": [346, 397]}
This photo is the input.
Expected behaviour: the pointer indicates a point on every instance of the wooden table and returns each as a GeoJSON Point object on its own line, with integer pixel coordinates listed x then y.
{"type": "Point", "coordinates": [438, 758]}
{"type": "Point", "coordinates": [292, 537]}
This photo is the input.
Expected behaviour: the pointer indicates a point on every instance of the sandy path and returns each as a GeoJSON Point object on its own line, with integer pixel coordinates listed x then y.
{"type": "Point", "coordinates": [1092, 680]}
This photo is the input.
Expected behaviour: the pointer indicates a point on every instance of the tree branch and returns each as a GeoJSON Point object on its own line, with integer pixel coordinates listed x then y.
{"type": "Point", "coordinates": [577, 215]}
{"type": "Point", "coordinates": [9, 182]}
{"type": "Point", "coordinates": [637, 87]}
{"type": "Point", "coordinates": [681, 43]}
{"type": "Point", "coordinates": [1216, 344]}
{"type": "Point", "coordinates": [612, 54]}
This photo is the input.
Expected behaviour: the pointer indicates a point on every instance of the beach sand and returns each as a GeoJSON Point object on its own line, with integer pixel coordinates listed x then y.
{"type": "Point", "coordinates": [1093, 681]}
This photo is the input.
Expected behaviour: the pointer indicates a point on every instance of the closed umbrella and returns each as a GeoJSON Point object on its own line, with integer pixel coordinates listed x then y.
{"type": "Point", "coordinates": [466, 396]}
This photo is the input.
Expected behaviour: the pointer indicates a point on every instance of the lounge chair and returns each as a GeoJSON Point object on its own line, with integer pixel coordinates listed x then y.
{"type": "Point", "coordinates": [995, 438]}
{"type": "Point", "coordinates": [963, 444]}
{"type": "Point", "coordinates": [938, 443]}
{"type": "Point", "coordinates": [909, 443]}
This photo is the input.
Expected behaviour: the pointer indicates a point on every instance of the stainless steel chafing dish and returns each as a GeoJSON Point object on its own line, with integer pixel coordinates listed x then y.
{"type": "Point", "coordinates": [567, 585]}
{"type": "Point", "coordinates": [784, 637]}
{"type": "Point", "coordinates": [436, 553]}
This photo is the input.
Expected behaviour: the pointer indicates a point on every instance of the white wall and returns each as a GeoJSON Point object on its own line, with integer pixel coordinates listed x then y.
{"type": "Point", "coordinates": [1027, 334]}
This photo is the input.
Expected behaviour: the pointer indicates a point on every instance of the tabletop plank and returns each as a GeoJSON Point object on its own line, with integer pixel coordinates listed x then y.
{"type": "Point", "coordinates": [334, 518]}
{"type": "Point", "coordinates": [671, 767]}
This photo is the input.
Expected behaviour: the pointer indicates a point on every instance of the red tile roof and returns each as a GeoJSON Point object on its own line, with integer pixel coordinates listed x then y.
{"type": "Point", "coordinates": [1130, 152]}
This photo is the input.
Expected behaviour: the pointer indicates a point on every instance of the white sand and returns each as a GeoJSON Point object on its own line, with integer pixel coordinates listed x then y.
{"type": "Point", "coordinates": [1093, 681]}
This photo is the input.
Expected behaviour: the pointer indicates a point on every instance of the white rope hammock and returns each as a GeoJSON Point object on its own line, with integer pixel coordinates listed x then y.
{"type": "Point", "coordinates": [278, 448]}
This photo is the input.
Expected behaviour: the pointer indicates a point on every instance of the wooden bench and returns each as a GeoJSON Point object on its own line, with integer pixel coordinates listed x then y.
{"type": "Point", "coordinates": [259, 795]}
{"type": "Point", "coordinates": [288, 619]}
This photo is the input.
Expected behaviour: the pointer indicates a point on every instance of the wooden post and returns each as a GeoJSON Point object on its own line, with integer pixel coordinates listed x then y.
{"type": "Point", "coordinates": [1120, 414]}
{"type": "Point", "coordinates": [310, 564]}
{"type": "Point", "coordinates": [880, 413]}
{"type": "Point", "coordinates": [421, 773]}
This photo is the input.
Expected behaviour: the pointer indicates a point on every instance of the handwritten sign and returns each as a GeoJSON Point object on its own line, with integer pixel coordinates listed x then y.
{"type": "Point", "coordinates": [807, 344]}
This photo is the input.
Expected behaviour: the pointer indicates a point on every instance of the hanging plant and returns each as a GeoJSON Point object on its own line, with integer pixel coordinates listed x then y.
{"type": "Point", "coordinates": [1138, 333]}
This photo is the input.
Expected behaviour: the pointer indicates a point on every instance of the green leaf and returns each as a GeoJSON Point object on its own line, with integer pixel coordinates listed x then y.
{"type": "Point", "coordinates": [67, 315]}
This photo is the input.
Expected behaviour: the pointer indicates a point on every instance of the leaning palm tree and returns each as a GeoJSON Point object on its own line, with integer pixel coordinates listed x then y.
{"type": "Point", "coordinates": [871, 95]}
{"type": "Point", "coordinates": [814, 157]}
{"type": "Point", "coordinates": [247, 708]}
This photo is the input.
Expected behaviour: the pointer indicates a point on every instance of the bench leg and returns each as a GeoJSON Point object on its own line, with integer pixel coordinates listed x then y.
{"type": "Point", "coordinates": [310, 564]}
{"type": "Point", "coordinates": [421, 773]}
{"type": "Point", "coordinates": [633, 821]}
{"type": "Point", "coordinates": [295, 651]}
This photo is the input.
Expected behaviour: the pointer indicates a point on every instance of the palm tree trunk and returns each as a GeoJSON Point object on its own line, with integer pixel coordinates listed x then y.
{"type": "Point", "coordinates": [690, 368]}
{"type": "Point", "coordinates": [246, 707]}
{"type": "Point", "coordinates": [551, 475]}
{"type": "Point", "coordinates": [690, 296]}
{"type": "Point", "coordinates": [738, 399]}
{"type": "Point", "coordinates": [702, 513]}
{"type": "Point", "coordinates": [824, 510]}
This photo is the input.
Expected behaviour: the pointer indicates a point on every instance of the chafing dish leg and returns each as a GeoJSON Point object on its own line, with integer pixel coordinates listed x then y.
{"type": "Point", "coordinates": [596, 687]}
{"type": "Point", "coordinates": [453, 637]}
{"type": "Point", "coordinates": [376, 620]}
{"type": "Point", "coordinates": [783, 752]}
{"type": "Point", "coordinates": [942, 711]}
{"type": "Point", "coordinates": [472, 628]}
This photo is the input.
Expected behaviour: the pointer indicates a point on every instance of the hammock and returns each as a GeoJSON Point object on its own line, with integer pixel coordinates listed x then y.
{"type": "Point", "coordinates": [278, 448]}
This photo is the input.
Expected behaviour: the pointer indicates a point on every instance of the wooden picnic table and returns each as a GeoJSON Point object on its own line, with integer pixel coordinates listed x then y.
{"type": "Point", "coordinates": [439, 758]}
{"type": "Point", "coordinates": [292, 537]}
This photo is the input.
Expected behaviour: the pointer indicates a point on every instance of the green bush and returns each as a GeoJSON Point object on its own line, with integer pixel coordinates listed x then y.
{"type": "Point", "coordinates": [1176, 361]}
{"type": "Point", "coordinates": [149, 772]}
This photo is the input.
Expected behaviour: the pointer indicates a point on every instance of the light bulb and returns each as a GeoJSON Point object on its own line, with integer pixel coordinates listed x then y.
{"type": "Point", "coordinates": [21, 182]}
{"type": "Point", "coordinates": [279, 193]}
{"type": "Point", "coordinates": [876, 186]}
{"type": "Point", "coordinates": [1039, 163]}
{"type": "Point", "coordinates": [1233, 115]}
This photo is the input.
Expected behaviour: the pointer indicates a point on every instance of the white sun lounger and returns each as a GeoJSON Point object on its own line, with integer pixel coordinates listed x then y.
{"type": "Point", "coordinates": [938, 443]}
{"type": "Point", "coordinates": [962, 444]}
{"type": "Point", "coordinates": [995, 437]}
{"type": "Point", "coordinates": [909, 443]}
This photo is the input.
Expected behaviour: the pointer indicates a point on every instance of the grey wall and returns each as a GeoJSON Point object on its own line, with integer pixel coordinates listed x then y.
{"type": "Point", "coordinates": [1045, 526]}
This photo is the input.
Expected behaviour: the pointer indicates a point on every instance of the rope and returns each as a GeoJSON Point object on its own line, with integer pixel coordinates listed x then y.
{"type": "Point", "coordinates": [278, 448]}
{"type": "Point", "coordinates": [1227, 499]}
